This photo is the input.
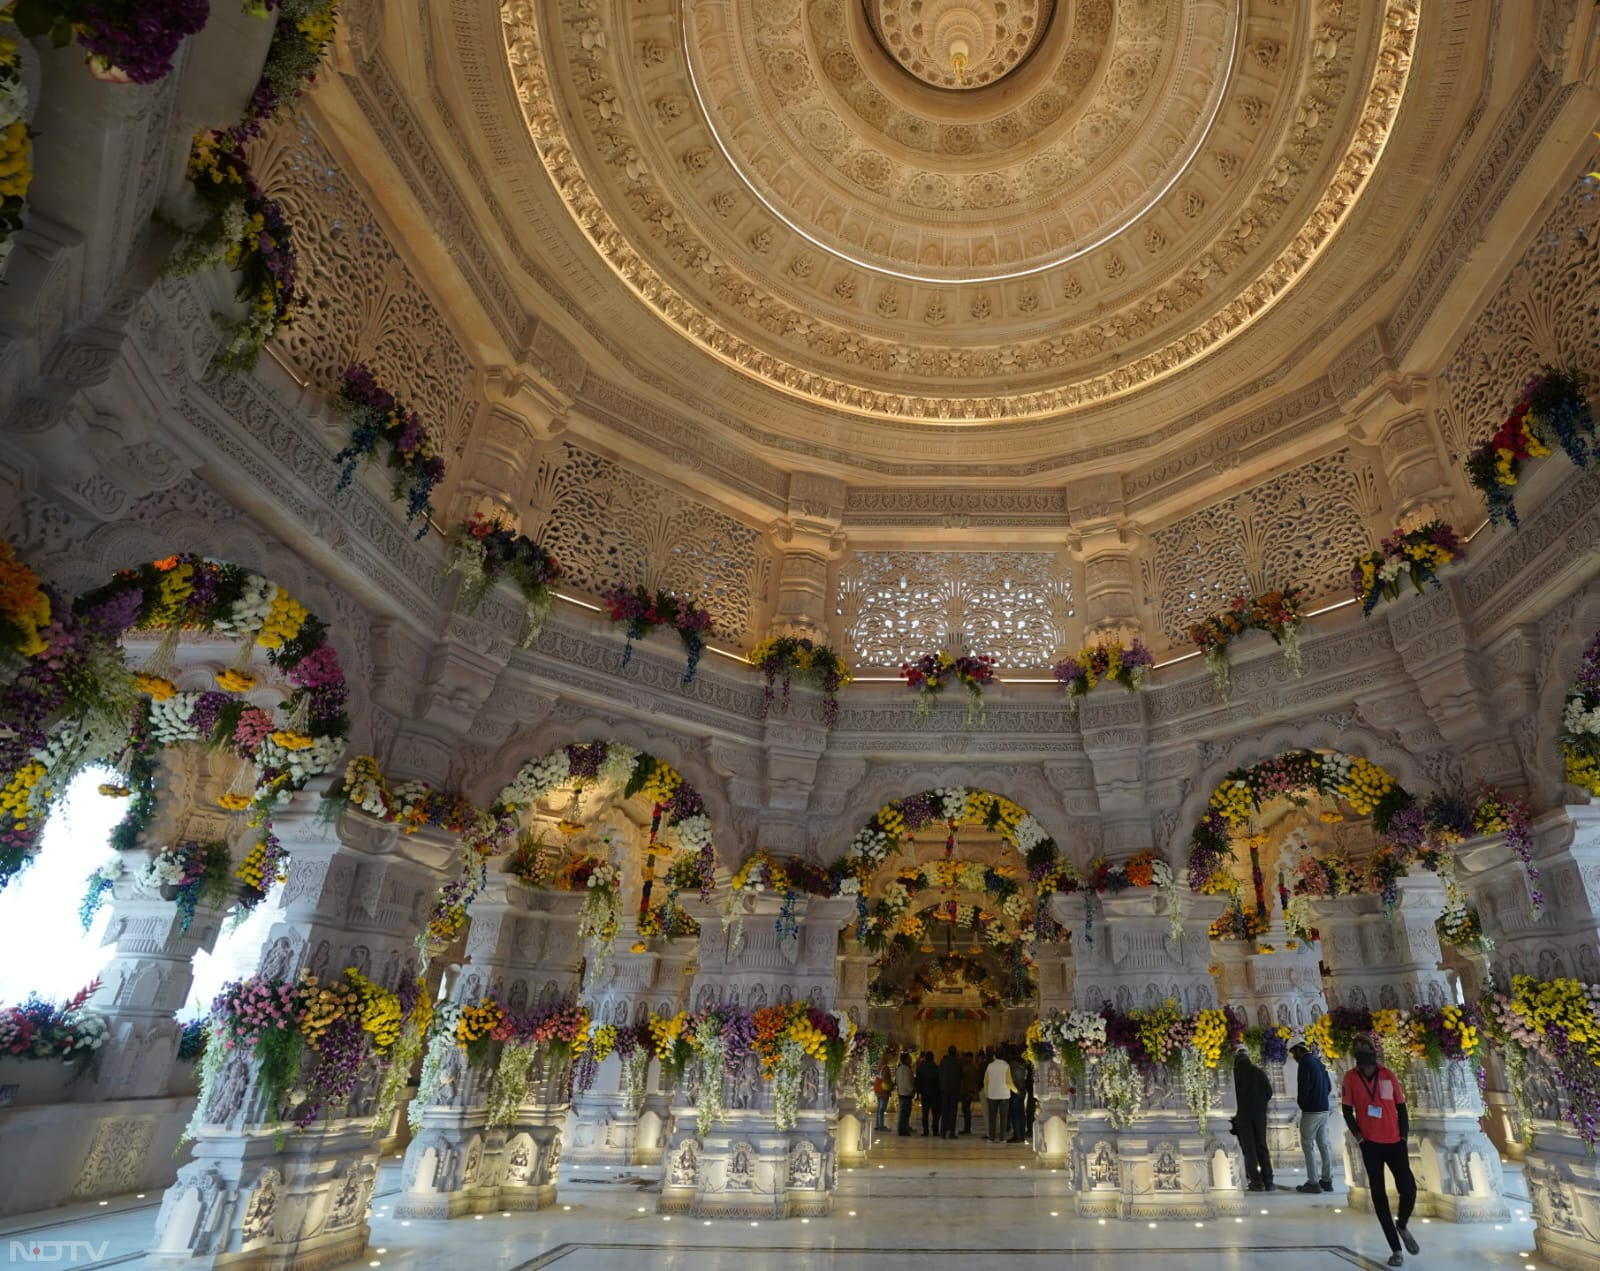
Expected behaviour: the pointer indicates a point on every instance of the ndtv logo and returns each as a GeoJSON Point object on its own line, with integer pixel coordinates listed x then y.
{"type": "Point", "coordinates": [57, 1250]}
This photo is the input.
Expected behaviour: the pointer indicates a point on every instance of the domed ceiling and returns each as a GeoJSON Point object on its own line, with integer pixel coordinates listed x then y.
{"type": "Point", "coordinates": [962, 210]}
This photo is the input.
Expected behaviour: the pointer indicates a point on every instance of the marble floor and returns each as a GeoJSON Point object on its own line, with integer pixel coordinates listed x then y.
{"type": "Point", "coordinates": [920, 1205]}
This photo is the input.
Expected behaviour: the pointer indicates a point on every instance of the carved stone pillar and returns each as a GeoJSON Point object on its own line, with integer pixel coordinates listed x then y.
{"type": "Point", "coordinates": [258, 1193]}
{"type": "Point", "coordinates": [1563, 939]}
{"type": "Point", "coordinates": [1052, 1124]}
{"type": "Point", "coordinates": [519, 416]}
{"type": "Point", "coordinates": [522, 949]}
{"type": "Point", "coordinates": [1392, 961]}
{"type": "Point", "coordinates": [615, 1121]}
{"type": "Point", "coordinates": [1114, 733]}
{"type": "Point", "coordinates": [744, 1166]}
{"type": "Point", "coordinates": [1271, 984]}
{"type": "Point", "coordinates": [146, 981]}
{"type": "Point", "coordinates": [1409, 446]}
{"type": "Point", "coordinates": [1161, 1165]}
{"type": "Point", "coordinates": [1108, 543]}
{"type": "Point", "coordinates": [810, 541]}
{"type": "Point", "coordinates": [853, 1131]}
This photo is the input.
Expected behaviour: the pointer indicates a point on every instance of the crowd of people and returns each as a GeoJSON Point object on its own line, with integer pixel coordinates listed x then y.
{"type": "Point", "coordinates": [998, 1080]}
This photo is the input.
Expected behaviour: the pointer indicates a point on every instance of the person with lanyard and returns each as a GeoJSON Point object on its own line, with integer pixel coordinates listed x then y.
{"type": "Point", "coordinates": [1375, 1111]}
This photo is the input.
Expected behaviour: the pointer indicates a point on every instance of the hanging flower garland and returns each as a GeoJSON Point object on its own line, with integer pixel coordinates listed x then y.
{"type": "Point", "coordinates": [37, 1029]}
{"type": "Point", "coordinates": [16, 151]}
{"type": "Point", "coordinates": [190, 874]}
{"type": "Point", "coordinates": [78, 703]}
{"type": "Point", "coordinates": [679, 825]}
{"type": "Point", "coordinates": [790, 658]}
{"type": "Point", "coordinates": [483, 551]}
{"type": "Point", "coordinates": [670, 1044]}
{"type": "Point", "coordinates": [1553, 409]}
{"type": "Point", "coordinates": [642, 611]}
{"type": "Point", "coordinates": [378, 420]}
{"type": "Point", "coordinates": [1111, 663]}
{"type": "Point", "coordinates": [1580, 723]}
{"type": "Point", "coordinates": [1417, 554]}
{"type": "Point", "coordinates": [127, 41]}
{"type": "Point", "coordinates": [97, 889]}
{"type": "Point", "coordinates": [244, 231]}
{"type": "Point", "coordinates": [1279, 613]}
{"type": "Point", "coordinates": [930, 673]}
{"type": "Point", "coordinates": [791, 877]}
{"type": "Point", "coordinates": [303, 31]}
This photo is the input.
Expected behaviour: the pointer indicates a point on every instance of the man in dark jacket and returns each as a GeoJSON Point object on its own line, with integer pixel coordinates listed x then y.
{"type": "Point", "coordinates": [928, 1092]}
{"type": "Point", "coordinates": [1312, 1090]}
{"type": "Point", "coordinates": [1252, 1090]}
{"type": "Point", "coordinates": [949, 1092]}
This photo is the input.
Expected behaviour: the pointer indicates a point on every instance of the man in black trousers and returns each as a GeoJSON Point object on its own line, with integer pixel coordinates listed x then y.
{"type": "Point", "coordinates": [1252, 1090]}
{"type": "Point", "coordinates": [949, 1092]}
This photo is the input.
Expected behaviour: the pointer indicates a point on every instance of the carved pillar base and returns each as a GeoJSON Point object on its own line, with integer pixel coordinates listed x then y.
{"type": "Point", "coordinates": [1564, 1184]}
{"type": "Point", "coordinates": [244, 1202]}
{"type": "Point", "coordinates": [1159, 1167]}
{"type": "Point", "coordinates": [1054, 1123]}
{"type": "Point", "coordinates": [1459, 1178]}
{"type": "Point", "coordinates": [524, 1161]}
{"type": "Point", "coordinates": [604, 1130]}
{"type": "Point", "coordinates": [746, 1168]}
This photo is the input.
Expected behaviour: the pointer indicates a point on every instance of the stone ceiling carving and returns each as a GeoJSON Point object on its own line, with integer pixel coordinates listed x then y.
{"type": "Point", "coordinates": [775, 186]}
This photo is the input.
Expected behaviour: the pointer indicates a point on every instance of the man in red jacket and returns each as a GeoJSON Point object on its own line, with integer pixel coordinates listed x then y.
{"type": "Point", "coordinates": [1375, 1111]}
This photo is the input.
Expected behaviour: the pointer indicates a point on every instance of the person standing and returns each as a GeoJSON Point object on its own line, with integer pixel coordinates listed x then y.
{"type": "Point", "coordinates": [1252, 1091]}
{"type": "Point", "coordinates": [949, 1092]}
{"type": "Point", "coordinates": [928, 1092]}
{"type": "Point", "coordinates": [1375, 1111]}
{"type": "Point", "coordinates": [882, 1087]}
{"type": "Point", "coordinates": [1312, 1088]}
{"type": "Point", "coordinates": [1019, 1083]}
{"type": "Point", "coordinates": [971, 1076]}
{"type": "Point", "coordinates": [997, 1088]}
{"type": "Point", "coordinates": [905, 1086]}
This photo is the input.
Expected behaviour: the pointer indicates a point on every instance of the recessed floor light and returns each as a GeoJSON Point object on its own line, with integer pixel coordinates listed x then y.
{"type": "Point", "coordinates": [405, 1222]}
{"type": "Point", "coordinates": [140, 1196]}
{"type": "Point", "coordinates": [1055, 1214]}
{"type": "Point", "coordinates": [641, 1209]}
{"type": "Point", "coordinates": [477, 1217]}
{"type": "Point", "coordinates": [566, 1207]}
{"type": "Point", "coordinates": [1199, 1224]}
{"type": "Point", "coordinates": [755, 1224]}
{"type": "Point", "coordinates": [1238, 1220]}
{"type": "Point", "coordinates": [105, 1202]}
{"type": "Point", "coordinates": [1102, 1222]}
{"type": "Point", "coordinates": [666, 1217]}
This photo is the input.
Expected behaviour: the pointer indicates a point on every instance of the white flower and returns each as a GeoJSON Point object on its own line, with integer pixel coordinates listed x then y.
{"type": "Point", "coordinates": [1578, 721]}
{"type": "Point", "coordinates": [1029, 833]}
{"type": "Point", "coordinates": [870, 845]}
{"type": "Point", "coordinates": [537, 778]}
{"type": "Point", "coordinates": [250, 611]}
{"type": "Point", "coordinates": [169, 719]}
{"type": "Point", "coordinates": [953, 800]}
{"type": "Point", "coordinates": [166, 868]}
{"type": "Point", "coordinates": [694, 832]}
{"type": "Point", "coordinates": [618, 766]}
{"type": "Point", "coordinates": [851, 886]}
{"type": "Point", "coordinates": [896, 897]}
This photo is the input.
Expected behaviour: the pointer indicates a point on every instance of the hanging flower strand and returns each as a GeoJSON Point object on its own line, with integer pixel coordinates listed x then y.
{"type": "Point", "coordinates": [643, 611]}
{"type": "Point", "coordinates": [378, 420]}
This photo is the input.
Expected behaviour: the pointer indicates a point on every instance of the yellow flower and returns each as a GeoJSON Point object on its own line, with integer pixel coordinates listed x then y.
{"type": "Point", "coordinates": [156, 686]}
{"type": "Point", "coordinates": [234, 802]}
{"type": "Point", "coordinates": [291, 740]}
{"type": "Point", "coordinates": [233, 681]}
{"type": "Point", "coordinates": [283, 622]}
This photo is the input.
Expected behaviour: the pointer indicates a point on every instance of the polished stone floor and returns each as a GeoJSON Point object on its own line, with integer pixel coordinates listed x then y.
{"type": "Point", "coordinates": [920, 1205]}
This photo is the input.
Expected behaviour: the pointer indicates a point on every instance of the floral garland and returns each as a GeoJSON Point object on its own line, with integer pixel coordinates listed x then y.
{"type": "Point", "coordinates": [264, 865]}
{"type": "Point", "coordinates": [1111, 662]}
{"type": "Point", "coordinates": [792, 877]}
{"type": "Point", "coordinates": [42, 1030]}
{"type": "Point", "coordinates": [97, 889]}
{"type": "Point", "coordinates": [1580, 723]}
{"type": "Point", "coordinates": [302, 1034]}
{"type": "Point", "coordinates": [678, 821]}
{"type": "Point", "coordinates": [25, 608]}
{"type": "Point", "coordinates": [71, 704]}
{"type": "Point", "coordinates": [601, 911]}
{"type": "Point", "coordinates": [1500, 813]}
{"type": "Point", "coordinates": [1557, 1021]}
{"type": "Point", "coordinates": [411, 1040]}
{"type": "Point", "coordinates": [1418, 554]}
{"type": "Point", "coordinates": [484, 550]}
{"type": "Point", "coordinates": [643, 611]}
{"type": "Point", "coordinates": [127, 41]}
{"type": "Point", "coordinates": [543, 1040]}
{"type": "Point", "coordinates": [377, 419]}
{"type": "Point", "coordinates": [1074, 1038]}
{"type": "Point", "coordinates": [930, 673]}
{"type": "Point", "coordinates": [189, 874]}
{"type": "Point", "coordinates": [1553, 409]}
{"type": "Point", "coordinates": [16, 154]}
{"type": "Point", "coordinates": [1279, 613]}
{"type": "Point", "coordinates": [303, 32]}
{"type": "Point", "coordinates": [669, 1043]}
{"type": "Point", "coordinates": [245, 231]}
{"type": "Point", "coordinates": [1121, 1088]}
{"type": "Point", "coordinates": [791, 658]}
{"type": "Point", "coordinates": [1268, 1045]}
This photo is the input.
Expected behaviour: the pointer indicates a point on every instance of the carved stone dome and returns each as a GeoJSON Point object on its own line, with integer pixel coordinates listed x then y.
{"type": "Point", "coordinates": [959, 44]}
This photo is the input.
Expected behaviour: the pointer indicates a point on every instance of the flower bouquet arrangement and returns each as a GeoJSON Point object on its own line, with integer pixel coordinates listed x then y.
{"type": "Point", "coordinates": [930, 673]}
{"type": "Point", "coordinates": [791, 877]}
{"type": "Point", "coordinates": [247, 232]}
{"type": "Point", "coordinates": [127, 41]}
{"type": "Point", "coordinates": [643, 611]}
{"type": "Point", "coordinates": [1499, 813]}
{"type": "Point", "coordinates": [98, 887]}
{"type": "Point", "coordinates": [790, 658]}
{"type": "Point", "coordinates": [37, 1029]}
{"type": "Point", "coordinates": [1075, 1037]}
{"type": "Point", "coordinates": [1280, 613]}
{"type": "Point", "coordinates": [192, 1037]}
{"type": "Point", "coordinates": [1580, 723]}
{"type": "Point", "coordinates": [1556, 1022]}
{"type": "Point", "coordinates": [24, 607]}
{"type": "Point", "coordinates": [1553, 409]}
{"type": "Point", "coordinates": [719, 1038]}
{"type": "Point", "coordinates": [1112, 662]}
{"type": "Point", "coordinates": [669, 1044]}
{"type": "Point", "coordinates": [483, 551]}
{"type": "Point", "coordinates": [1268, 1045]}
{"type": "Point", "coordinates": [264, 865]}
{"type": "Point", "coordinates": [1418, 554]}
{"type": "Point", "coordinates": [303, 32]}
{"type": "Point", "coordinates": [190, 874]}
{"type": "Point", "coordinates": [378, 420]}
{"type": "Point", "coordinates": [16, 154]}
{"type": "Point", "coordinates": [601, 911]}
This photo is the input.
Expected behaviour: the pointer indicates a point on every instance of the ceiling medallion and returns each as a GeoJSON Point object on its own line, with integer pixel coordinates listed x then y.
{"type": "Point", "coordinates": [958, 44]}
{"type": "Point", "coordinates": [641, 157]}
